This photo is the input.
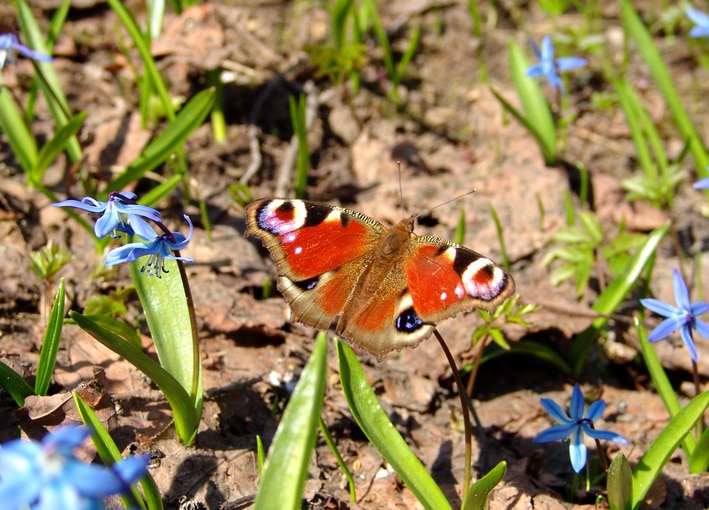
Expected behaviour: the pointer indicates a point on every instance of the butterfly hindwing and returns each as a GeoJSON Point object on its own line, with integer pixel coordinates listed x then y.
{"type": "Point", "coordinates": [445, 279]}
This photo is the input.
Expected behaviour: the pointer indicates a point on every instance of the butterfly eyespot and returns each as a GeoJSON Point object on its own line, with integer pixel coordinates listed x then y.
{"type": "Point", "coordinates": [308, 284]}
{"type": "Point", "coordinates": [408, 321]}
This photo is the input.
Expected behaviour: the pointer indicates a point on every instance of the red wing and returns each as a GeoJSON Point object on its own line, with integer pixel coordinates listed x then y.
{"type": "Point", "coordinates": [307, 239]}
{"type": "Point", "coordinates": [445, 279]}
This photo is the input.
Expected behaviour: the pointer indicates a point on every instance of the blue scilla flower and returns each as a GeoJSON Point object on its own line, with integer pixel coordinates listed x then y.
{"type": "Point", "coordinates": [46, 475]}
{"type": "Point", "coordinates": [683, 317]}
{"type": "Point", "coordinates": [575, 426]}
{"type": "Point", "coordinates": [702, 183]}
{"type": "Point", "coordinates": [9, 45]}
{"type": "Point", "coordinates": [549, 67]}
{"type": "Point", "coordinates": [702, 23]}
{"type": "Point", "coordinates": [120, 213]}
{"type": "Point", "coordinates": [158, 249]}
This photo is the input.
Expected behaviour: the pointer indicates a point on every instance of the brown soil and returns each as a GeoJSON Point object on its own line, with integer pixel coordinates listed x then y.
{"type": "Point", "coordinates": [451, 136]}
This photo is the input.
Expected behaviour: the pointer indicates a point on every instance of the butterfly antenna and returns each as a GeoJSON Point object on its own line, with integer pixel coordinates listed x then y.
{"type": "Point", "coordinates": [458, 197]}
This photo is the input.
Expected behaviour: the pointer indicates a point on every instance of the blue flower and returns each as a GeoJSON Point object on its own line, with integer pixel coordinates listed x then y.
{"type": "Point", "coordinates": [702, 22]}
{"type": "Point", "coordinates": [46, 475]}
{"type": "Point", "coordinates": [702, 183]}
{"type": "Point", "coordinates": [549, 67]}
{"type": "Point", "coordinates": [120, 213]}
{"type": "Point", "coordinates": [683, 318]}
{"type": "Point", "coordinates": [9, 44]}
{"type": "Point", "coordinates": [158, 249]}
{"type": "Point", "coordinates": [576, 426]}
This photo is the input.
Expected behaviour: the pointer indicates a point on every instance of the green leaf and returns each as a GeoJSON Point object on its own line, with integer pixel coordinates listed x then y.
{"type": "Point", "coordinates": [619, 486]}
{"type": "Point", "coordinates": [48, 82]}
{"type": "Point", "coordinates": [18, 135]}
{"type": "Point", "coordinates": [49, 151]}
{"type": "Point", "coordinates": [480, 491]}
{"type": "Point", "coordinates": [592, 226]}
{"type": "Point", "coordinates": [169, 311]}
{"type": "Point", "coordinates": [660, 380]}
{"type": "Point", "coordinates": [645, 46]}
{"type": "Point", "coordinates": [535, 106]}
{"type": "Point", "coordinates": [376, 425]}
{"type": "Point", "coordinates": [286, 467]}
{"type": "Point", "coordinates": [110, 454]}
{"type": "Point", "coordinates": [185, 416]}
{"type": "Point", "coordinates": [527, 124]}
{"type": "Point", "coordinates": [608, 302]}
{"type": "Point", "coordinates": [651, 463]}
{"type": "Point", "coordinates": [50, 346]}
{"type": "Point", "coordinates": [170, 140]}
{"type": "Point", "coordinates": [699, 460]}
{"type": "Point", "coordinates": [120, 328]}
{"type": "Point", "coordinates": [15, 385]}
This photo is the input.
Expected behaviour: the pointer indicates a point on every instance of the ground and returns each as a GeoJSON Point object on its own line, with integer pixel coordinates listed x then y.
{"type": "Point", "coordinates": [451, 136]}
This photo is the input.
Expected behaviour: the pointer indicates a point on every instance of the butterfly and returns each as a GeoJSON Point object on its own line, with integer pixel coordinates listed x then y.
{"type": "Point", "coordinates": [388, 286]}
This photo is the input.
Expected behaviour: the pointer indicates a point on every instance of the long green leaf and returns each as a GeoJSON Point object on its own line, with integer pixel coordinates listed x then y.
{"type": "Point", "coordinates": [661, 382]}
{"type": "Point", "coordinates": [651, 463]}
{"type": "Point", "coordinates": [526, 123]}
{"type": "Point", "coordinates": [142, 44]}
{"type": "Point", "coordinates": [615, 293]}
{"type": "Point", "coordinates": [50, 346]}
{"type": "Point", "coordinates": [49, 151]}
{"type": "Point", "coordinates": [169, 311]}
{"type": "Point", "coordinates": [645, 46]}
{"type": "Point", "coordinates": [185, 416]}
{"type": "Point", "coordinates": [534, 103]}
{"type": "Point", "coordinates": [286, 467]}
{"type": "Point", "coordinates": [189, 118]}
{"type": "Point", "coordinates": [109, 453]}
{"type": "Point", "coordinates": [18, 135]}
{"type": "Point", "coordinates": [376, 425]}
{"type": "Point", "coordinates": [49, 82]}
{"type": "Point", "coordinates": [15, 385]}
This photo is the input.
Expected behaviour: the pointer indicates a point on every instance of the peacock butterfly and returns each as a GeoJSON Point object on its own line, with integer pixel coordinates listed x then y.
{"type": "Point", "coordinates": [389, 286]}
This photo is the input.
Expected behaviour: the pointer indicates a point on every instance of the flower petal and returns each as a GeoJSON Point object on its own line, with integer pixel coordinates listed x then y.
{"type": "Point", "coordinates": [577, 451]}
{"type": "Point", "coordinates": [130, 252]}
{"type": "Point", "coordinates": [660, 307]}
{"type": "Point", "coordinates": [535, 71]}
{"type": "Point", "coordinates": [569, 63]}
{"type": "Point", "coordinates": [604, 435]}
{"type": "Point", "coordinates": [701, 327]}
{"type": "Point", "coordinates": [698, 17]}
{"type": "Point", "coordinates": [681, 292]}
{"type": "Point", "coordinates": [555, 433]}
{"type": "Point", "coordinates": [577, 403]}
{"type": "Point", "coordinates": [535, 49]}
{"type": "Point", "coordinates": [132, 468]}
{"type": "Point", "coordinates": [595, 410]}
{"type": "Point", "coordinates": [686, 333]}
{"type": "Point", "coordinates": [698, 308]}
{"type": "Point", "coordinates": [555, 411]}
{"type": "Point", "coordinates": [665, 329]}
{"type": "Point", "coordinates": [141, 227]}
{"type": "Point", "coordinates": [96, 207]}
{"type": "Point", "coordinates": [701, 183]}
{"type": "Point", "coordinates": [547, 49]}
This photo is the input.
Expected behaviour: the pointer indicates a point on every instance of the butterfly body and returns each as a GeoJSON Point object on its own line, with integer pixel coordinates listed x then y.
{"type": "Point", "coordinates": [388, 286]}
